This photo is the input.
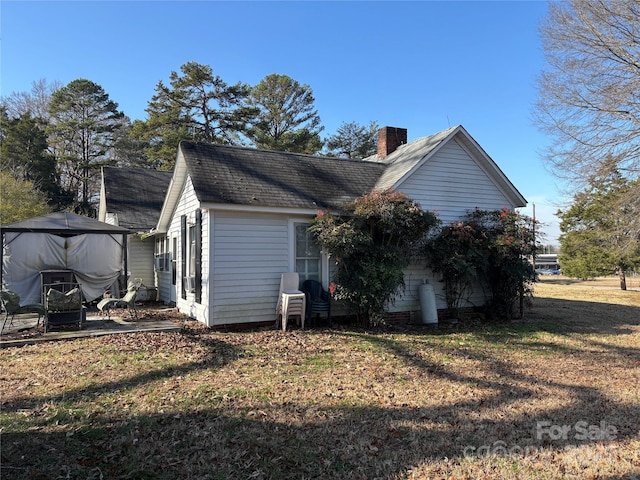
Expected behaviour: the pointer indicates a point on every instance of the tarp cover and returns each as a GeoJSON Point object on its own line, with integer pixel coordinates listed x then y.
{"type": "Point", "coordinates": [96, 261]}
{"type": "Point", "coordinates": [93, 250]}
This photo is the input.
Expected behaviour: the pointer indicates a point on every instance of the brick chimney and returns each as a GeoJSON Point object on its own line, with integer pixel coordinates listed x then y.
{"type": "Point", "coordinates": [390, 138]}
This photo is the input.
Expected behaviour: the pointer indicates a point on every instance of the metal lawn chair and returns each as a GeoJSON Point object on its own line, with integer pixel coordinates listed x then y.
{"type": "Point", "coordinates": [128, 301]}
{"type": "Point", "coordinates": [10, 302]}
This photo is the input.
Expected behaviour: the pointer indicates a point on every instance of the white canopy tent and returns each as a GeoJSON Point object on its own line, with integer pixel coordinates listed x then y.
{"type": "Point", "coordinates": [95, 251]}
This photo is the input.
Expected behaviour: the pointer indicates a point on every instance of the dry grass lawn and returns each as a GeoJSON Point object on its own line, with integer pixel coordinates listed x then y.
{"type": "Point", "coordinates": [556, 395]}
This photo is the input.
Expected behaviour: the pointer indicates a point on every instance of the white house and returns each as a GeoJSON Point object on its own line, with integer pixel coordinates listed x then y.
{"type": "Point", "coordinates": [132, 198]}
{"type": "Point", "coordinates": [234, 219]}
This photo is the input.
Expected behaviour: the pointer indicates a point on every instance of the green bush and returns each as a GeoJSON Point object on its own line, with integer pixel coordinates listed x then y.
{"type": "Point", "coordinates": [372, 241]}
{"type": "Point", "coordinates": [487, 249]}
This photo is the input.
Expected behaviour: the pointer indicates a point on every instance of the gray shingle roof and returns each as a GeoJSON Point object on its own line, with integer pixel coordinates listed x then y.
{"type": "Point", "coordinates": [244, 176]}
{"type": "Point", "coordinates": [136, 195]}
{"type": "Point", "coordinates": [406, 157]}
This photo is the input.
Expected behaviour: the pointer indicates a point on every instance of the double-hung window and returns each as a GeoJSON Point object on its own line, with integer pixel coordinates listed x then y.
{"type": "Point", "coordinates": [192, 251]}
{"type": "Point", "coordinates": [191, 260]}
{"type": "Point", "coordinates": [308, 257]}
{"type": "Point", "coordinates": [162, 255]}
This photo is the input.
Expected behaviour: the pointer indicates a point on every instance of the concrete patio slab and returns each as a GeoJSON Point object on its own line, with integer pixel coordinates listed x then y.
{"type": "Point", "coordinates": [24, 329]}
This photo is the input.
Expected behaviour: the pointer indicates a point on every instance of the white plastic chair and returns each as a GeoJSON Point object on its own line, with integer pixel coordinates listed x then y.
{"type": "Point", "coordinates": [291, 301]}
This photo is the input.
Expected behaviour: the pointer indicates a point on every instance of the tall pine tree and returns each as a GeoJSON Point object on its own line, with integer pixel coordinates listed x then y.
{"type": "Point", "coordinates": [83, 130]}
{"type": "Point", "coordinates": [288, 120]}
{"type": "Point", "coordinates": [196, 105]}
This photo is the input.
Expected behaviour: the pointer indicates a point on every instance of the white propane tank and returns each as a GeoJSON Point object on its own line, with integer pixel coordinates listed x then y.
{"type": "Point", "coordinates": [428, 304]}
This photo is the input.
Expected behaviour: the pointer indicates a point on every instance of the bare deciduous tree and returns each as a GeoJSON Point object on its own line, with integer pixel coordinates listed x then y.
{"type": "Point", "coordinates": [35, 102]}
{"type": "Point", "coordinates": [589, 93]}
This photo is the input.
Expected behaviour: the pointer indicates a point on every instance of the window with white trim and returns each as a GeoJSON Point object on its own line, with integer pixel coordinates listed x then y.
{"type": "Point", "coordinates": [162, 256]}
{"type": "Point", "coordinates": [192, 250]}
{"type": "Point", "coordinates": [190, 270]}
{"type": "Point", "coordinates": [308, 256]}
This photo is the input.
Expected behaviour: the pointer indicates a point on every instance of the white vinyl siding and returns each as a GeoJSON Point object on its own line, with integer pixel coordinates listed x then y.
{"type": "Point", "coordinates": [140, 259]}
{"type": "Point", "coordinates": [250, 253]}
{"type": "Point", "coordinates": [409, 299]}
{"type": "Point", "coordinates": [187, 205]}
{"type": "Point", "coordinates": [449, 184]}
{"type": "Point", "coordinates": [452, 183]}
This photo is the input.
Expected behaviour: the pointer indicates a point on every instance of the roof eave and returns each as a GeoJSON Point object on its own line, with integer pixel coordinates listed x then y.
{"type": "Point", "coordinates": [232, 207]}
{"type": "Point", "coordinates": [176, 185]}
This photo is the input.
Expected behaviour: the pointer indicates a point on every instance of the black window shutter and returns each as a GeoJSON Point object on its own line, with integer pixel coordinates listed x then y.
{"type": "Point", "coordinates": [183, 255]}
{"type": "Point", "coordinates": [198, 253]}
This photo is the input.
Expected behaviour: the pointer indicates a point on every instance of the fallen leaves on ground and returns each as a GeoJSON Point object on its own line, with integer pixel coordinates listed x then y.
{"type": "Point", "coordinates": [490, 401]}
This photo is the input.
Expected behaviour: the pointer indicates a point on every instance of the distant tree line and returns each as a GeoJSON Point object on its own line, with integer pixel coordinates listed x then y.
{"type": "Point", "coordinates": [55, 138]}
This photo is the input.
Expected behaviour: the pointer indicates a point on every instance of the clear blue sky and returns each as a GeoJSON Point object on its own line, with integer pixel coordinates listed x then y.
{"type": "Point", "coordinates": [423, 66]}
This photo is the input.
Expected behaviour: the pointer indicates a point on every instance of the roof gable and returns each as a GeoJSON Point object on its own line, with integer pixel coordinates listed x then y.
{"type": "Point", "coordinates": [408, 158]}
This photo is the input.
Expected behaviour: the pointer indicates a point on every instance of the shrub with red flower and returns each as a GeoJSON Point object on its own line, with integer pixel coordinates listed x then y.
{"type": "Point", "coordinates": [487, 249]}
{"type": "Point", "coordinates": [372, 241]}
